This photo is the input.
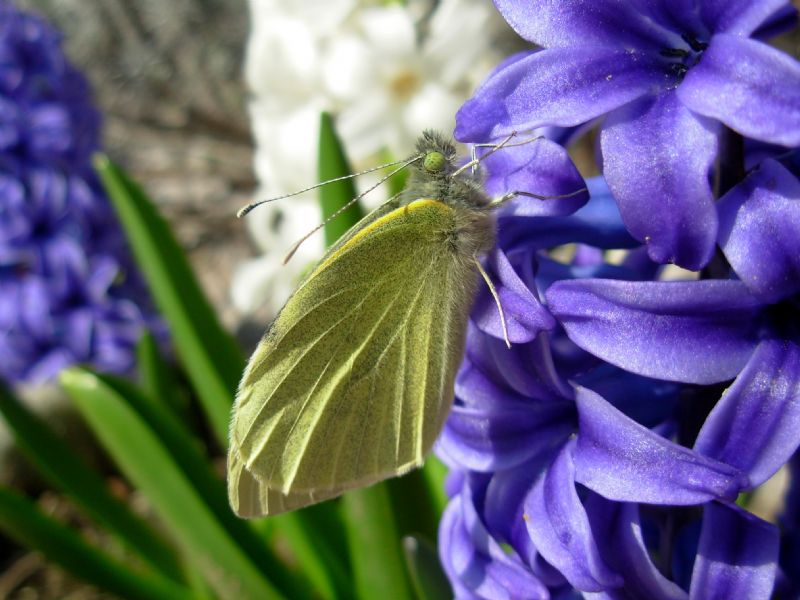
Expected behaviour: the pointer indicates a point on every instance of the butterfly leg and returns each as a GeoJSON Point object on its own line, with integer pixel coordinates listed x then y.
{"type": "Point", "coordinates": [492, 289]}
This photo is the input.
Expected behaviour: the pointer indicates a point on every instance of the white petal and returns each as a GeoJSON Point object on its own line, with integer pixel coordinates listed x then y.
{"type": "Point", "coordinates": [325, 16]}
{"type": "Point", "coordinates": [251, 283]}
{"type": "Point", "coordinates": [453, 51]}
{"type": "Point", "coordinates": [276, 226]}
{"type": "Point", "coordinates": [282, 57]}
{"type": "Point", "coordinates": [389, 31]}
{"type": "Point", "coordinates": [433, 107]}
{"type": "Point", "coordinates": [364, 124]}
{"type": "Point", "coordinates": [286, 147]}
{"type": "Point", "coordinates": [348, 69]}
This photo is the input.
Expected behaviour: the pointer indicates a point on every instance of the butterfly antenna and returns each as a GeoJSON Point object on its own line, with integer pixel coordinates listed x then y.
{"type": "Point", "coordinates": [246, 209]}
{"type": "Point", "coordinates": [338, 212]}
{"type": "Point", "coordinates": [475, 159]}
{"type": "Point", "coordinates": [492, 289]}
{"type": "Point", "coordinates": [506, 144]}
{"type": "Point", "coordinates": [494, 148]}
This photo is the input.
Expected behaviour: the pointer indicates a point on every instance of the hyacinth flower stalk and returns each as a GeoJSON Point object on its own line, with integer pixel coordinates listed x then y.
{"type": "Point", "coordinates": [606, 457]}
{"type": "Point", "coordinates": [69, 292]}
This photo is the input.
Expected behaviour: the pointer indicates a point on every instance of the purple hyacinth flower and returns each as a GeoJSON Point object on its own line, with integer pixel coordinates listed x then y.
{"type": "Point", "coordinates": [526, 443]}
{"type": "Point", "coordinates": [759, 226]}
{"type": "Point", "coordinates": [45, 110]}
{"type": "Point", "coordinates": [570, 471]}
{"type": "Point", "coordinates": [665, 75]}
{"type": "Point", "coordinates": [712, 331]}
{"type": "Point", "coordinates": [701, 332]}
{"type": "Point", "coordinates": [69, 292]}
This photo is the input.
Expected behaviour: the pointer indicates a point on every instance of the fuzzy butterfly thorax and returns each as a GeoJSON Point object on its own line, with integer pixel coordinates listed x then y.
{"type": "Point", "coordinates": [473, 232]}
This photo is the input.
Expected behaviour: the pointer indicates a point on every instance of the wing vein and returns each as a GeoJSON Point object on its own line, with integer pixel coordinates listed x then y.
{"type": "Point", "coordinates": [391, 341]}
{"type": "Point", "coordinates": [319, 378]}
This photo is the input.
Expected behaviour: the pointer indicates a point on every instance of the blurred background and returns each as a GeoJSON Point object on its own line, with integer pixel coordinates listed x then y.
{"type": "Point", "coordinates": [167, 77]}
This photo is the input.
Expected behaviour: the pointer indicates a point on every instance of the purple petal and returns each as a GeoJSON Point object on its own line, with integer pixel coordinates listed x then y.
{"type": "Point", "coordinates": [525, 370]}
{"type": "Point", "coordinates": [504, 509]}
{"type": "Point", "coordinates": [504, 435]}
{"type": "Point", "coordinates": [540, 167]}
{"type": "Point", "coordinates": [617, 530]}
{"type": "Point", "coordinates": [780, 22]}
{"type": "Point", "coordinates": [621, 460]}
{"type": "Point", "coordinates": [751, 87]}
{"type": "Point", "coordinates": [760, 231]}
{"type": "Point", "coordinates": [690, 331]}
{"type": "Point", "coordinates": [559, 527]}
{"type": "Point", "coordinates": [755, 426]}
{"type": "Point", "coordinates": [77, 332]}
{"type": "Point", "coordinates": [674, 16]}
{"type": "Point", "coordinates": [656, 160]}
{"type": "Point", "coordinates": [48, 365]}
{"type": "Point", "coordinates": [525, 315]}
{"type": "Point", "coordinates": [475, 563]}
{"type": "Point", "coordinates": [597, 223]}
{"type": "Point", "coordinates": [737, 557]}
{"type": "Point", "coordinates": [738, 17]}
{"type": "Point", "coordinates": [560, 86]}
{"type": "Point", "coordinates": [558, 23]}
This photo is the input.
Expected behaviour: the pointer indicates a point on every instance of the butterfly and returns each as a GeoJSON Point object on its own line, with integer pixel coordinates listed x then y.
{"type": "Point", "coordinates": [353, 381]}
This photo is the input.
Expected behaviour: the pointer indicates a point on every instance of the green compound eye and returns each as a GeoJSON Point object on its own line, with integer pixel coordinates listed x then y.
{"type": "Point", "coordinates": [434, 162]}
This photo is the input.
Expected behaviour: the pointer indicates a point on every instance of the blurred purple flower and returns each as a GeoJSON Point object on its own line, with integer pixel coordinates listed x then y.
{"type": "Point", "coordinates": [665, 74]}
{"type": "Point", "coordinates": [46, 115]}
{"type": "Point", "coordinates": [69, 292]}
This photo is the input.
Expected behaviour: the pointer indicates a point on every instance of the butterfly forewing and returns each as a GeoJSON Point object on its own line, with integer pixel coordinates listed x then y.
{"type": "Point", "coordinates": [336, 395]}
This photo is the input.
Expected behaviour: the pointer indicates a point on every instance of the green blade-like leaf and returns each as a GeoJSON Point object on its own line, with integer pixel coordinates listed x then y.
{"type": "Point", "coordinates": [21, 520]}
{"type": "Point", "coordinates": [67, 471]}
{"type": "Point", "coordinates": [435, 473]}
{"type": "Point", "coordinates": [146, 462]}
{"type": "Point", "coordinates": [397, 182]}
{"type": "Point", "coordinates": [187, 453]}
{"type": "Point", "coordinates": [375, 545]}
{"type": "Point", "coordinates": [156, 377]}
{"type": "Point", "coordinates": [430, 582]}
{"type": "Point", "coordinates": [333, 196]}
{"type": "Point", "coordinates": [209, 355]}
{"type": "Point", "coordinates": [413, 505]}
{"type": "Point", "coordinates": [316, 536]}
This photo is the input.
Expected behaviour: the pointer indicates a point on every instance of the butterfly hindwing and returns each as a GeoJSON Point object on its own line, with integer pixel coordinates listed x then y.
{"type": "Point", "coordinates": [336, 395]}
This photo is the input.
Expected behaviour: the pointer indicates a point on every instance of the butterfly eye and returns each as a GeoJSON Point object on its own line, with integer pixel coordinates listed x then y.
{"type": "Point", "coordinates": [434, 162]}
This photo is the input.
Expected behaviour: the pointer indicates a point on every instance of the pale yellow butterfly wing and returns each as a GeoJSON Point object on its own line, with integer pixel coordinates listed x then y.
{"type": "Point", "coordinates": [354, 379]}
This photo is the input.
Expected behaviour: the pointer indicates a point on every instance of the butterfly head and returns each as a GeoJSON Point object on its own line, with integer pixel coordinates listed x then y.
{"type": "Point", "coordinates": [438, 154]}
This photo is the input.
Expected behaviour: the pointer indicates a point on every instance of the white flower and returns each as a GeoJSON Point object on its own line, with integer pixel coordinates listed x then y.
{"type": "Point", "coordinates": [386, 73]}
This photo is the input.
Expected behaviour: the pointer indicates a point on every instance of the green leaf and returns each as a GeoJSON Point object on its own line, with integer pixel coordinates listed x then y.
{"type": "Point", "coordinates": [435, 473]}
{"type": "Point", "coordinates": [67, 471]}
{"type": "Point", "coordinates": [430, 582]}
{"type": "Point", "coordinates": [397, 182]}
{"type": "Point", "coordinates": [316, 536]}
{"type": "Point", "coordinates": [210, 356]}
{"type": "Point", "coordinates": [413, 506]}
{"type": "Point", "coordinates": [333, 196]}
{"type": "Point", "coordinates": [375, 545]}
{"type": "Point", "coordinates": [24, 522]}
{"type": "Point", "coordinates": [147, 464]}
{"type": "Point", "coordinates": [156, 376]}
{"type": "Point", "coordinates": [194, 464]}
